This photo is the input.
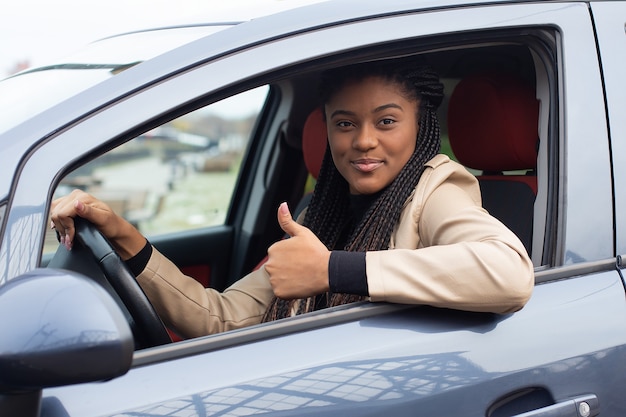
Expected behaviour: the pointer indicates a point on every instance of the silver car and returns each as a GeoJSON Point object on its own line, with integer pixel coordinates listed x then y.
{"type": "Point", "coordinates": [195, 134]}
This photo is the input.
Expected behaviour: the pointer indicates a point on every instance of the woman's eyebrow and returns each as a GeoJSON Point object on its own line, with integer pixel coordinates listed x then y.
{"type": "Point", "coordinates": [376, 110]}
{"type": "Point", "coordinates": [387, 106]}
{"type": "Point", "coordinates": [342, 113]}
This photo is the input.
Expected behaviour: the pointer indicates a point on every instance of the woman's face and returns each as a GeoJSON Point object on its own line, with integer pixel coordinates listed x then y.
{"type": "Point", "coordinates": [372, 129]}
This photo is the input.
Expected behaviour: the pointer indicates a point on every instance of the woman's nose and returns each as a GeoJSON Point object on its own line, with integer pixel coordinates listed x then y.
{"type": "Point", "coordinates": [365, 138]}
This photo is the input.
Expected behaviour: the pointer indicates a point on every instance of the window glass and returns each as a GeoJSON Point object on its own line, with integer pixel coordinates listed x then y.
{"type": "Point", "coordinates": [178, 176]}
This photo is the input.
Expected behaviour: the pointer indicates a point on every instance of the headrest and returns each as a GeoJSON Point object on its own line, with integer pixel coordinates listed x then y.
{"type": "Point", "coordinates": [492, 123]}
{"type": "Point", "coordinates": [314, 140]}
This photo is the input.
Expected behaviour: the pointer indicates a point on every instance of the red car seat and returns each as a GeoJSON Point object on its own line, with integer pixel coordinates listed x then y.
{"type": "Point", "coordinates": [314, 140]}
{"type": "Point", "coordinates": [493, 128]}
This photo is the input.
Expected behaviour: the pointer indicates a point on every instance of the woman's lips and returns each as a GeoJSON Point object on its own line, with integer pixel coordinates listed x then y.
{"type": "Point", "coordinates": [367, 165]}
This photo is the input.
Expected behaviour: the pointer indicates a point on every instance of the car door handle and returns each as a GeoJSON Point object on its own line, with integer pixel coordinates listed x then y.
{"type": "Point", "coordinates": [583, 406]}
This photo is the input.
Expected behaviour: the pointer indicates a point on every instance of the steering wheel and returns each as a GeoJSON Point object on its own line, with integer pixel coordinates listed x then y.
{"type": "Point", "coordinates": [147, 327]}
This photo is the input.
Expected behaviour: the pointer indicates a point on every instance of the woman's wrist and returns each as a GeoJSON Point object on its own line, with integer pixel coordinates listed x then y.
{"type": "Point", "coordinates": [129, 241]}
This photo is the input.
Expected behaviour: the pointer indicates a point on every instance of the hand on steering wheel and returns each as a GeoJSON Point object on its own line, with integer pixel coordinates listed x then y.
{"type": "Point", "coordinates": [148, 329]}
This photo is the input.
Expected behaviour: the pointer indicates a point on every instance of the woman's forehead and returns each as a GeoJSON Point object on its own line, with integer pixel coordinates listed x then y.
{"type": "Point", "coordinates": [371, 91]}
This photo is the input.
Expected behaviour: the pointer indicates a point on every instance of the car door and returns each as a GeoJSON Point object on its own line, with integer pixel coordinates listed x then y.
{"type": "Point", "coordinates": [564, 352]}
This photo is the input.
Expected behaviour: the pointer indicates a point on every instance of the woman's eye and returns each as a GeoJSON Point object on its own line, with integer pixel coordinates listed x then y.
{"type": "Point", "coordinates": [387, 121]}
{"type": "Point", "coordinates": [344, 123]}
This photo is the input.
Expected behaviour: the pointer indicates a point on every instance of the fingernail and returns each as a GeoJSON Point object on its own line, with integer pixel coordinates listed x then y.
{"type": "Point", "coordinates": [284, 209]}
{"type": "Point", "coordinates": [51, 224]}
{"type": "Point", "coordinates": [78, 205]}
{"type": "Point", "coordinates": [68, 242]}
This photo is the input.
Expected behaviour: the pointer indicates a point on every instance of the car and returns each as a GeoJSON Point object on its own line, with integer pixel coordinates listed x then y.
{"type": "Point", "coordinates": [196, 133]}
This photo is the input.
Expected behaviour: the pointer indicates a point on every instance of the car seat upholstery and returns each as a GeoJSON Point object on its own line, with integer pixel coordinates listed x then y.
{"type": "Point", "coordinates": [314, 140]}
{"type": "Point", "coordinates": [492, 127]}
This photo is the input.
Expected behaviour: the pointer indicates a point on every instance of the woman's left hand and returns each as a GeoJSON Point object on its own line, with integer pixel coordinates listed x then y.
{"type": "Point", "coordinates": [126, 240]}
{"type": "Point", "coordinates": [297, 266]}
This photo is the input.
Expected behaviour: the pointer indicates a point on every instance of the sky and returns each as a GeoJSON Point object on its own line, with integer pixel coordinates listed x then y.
{"type": "Point", "coordinates": [35, 32]}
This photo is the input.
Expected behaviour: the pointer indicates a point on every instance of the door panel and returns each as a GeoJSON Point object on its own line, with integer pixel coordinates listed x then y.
{"type": "Point", "coordinates": [203, 254]}
{"type": "Point", "coordinates": [563, 346]}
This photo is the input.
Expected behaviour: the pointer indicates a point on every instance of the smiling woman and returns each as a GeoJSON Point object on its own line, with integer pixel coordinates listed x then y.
{"type": "Point", "coordinates": [372, 126]}
{"type": "Point", "coordinates": [381, 166]}
{"type": "Point", "coordinates": [428, 244]}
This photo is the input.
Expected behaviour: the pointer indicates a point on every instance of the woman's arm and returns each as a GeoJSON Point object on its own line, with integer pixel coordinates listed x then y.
{"type": "Point", "coordinates": [191, 310]}
{"type": "Point", "coordinates": [466, 259]}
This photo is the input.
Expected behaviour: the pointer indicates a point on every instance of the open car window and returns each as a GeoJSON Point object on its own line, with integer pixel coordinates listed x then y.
{"type": "Point", "coordinates": [175, 177]}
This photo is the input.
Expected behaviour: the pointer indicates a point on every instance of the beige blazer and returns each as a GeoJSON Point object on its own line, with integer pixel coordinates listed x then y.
{"type": "Point", "coordinates": [447, 252]}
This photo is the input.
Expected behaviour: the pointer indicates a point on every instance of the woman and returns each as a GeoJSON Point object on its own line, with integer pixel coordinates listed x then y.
{"type": "Point", "coordinates": [390, 220]}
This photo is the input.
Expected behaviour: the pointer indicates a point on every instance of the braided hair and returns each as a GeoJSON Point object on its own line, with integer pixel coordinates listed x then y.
{"type": "Point", "coordinates": [329, 210]}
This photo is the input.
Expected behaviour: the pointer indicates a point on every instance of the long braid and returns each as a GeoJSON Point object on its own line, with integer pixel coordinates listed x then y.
{"type": "Point", "coordinates": [329, 211]}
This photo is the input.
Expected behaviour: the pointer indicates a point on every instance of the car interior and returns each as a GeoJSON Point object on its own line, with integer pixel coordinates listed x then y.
{"type": "Point", "coordinates": [495, 120]}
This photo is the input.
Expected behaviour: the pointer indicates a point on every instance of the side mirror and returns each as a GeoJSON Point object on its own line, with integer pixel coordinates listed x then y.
{"type": "Point", "coordinates": [57, 328]}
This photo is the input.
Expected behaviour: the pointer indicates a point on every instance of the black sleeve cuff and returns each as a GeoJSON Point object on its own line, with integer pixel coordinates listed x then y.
{"type": "Point", "coordinates": [347, 273]}
{"type": "Point", "coordinates": [138, 263]}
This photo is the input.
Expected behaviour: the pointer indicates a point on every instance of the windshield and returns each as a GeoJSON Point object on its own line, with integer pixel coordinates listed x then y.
{"type": "Point", "coordinates": [31, 91]}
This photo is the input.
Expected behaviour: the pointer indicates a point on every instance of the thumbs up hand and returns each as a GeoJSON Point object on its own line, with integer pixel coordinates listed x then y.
{"type": "Point", "coordinates": [298, 266]}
